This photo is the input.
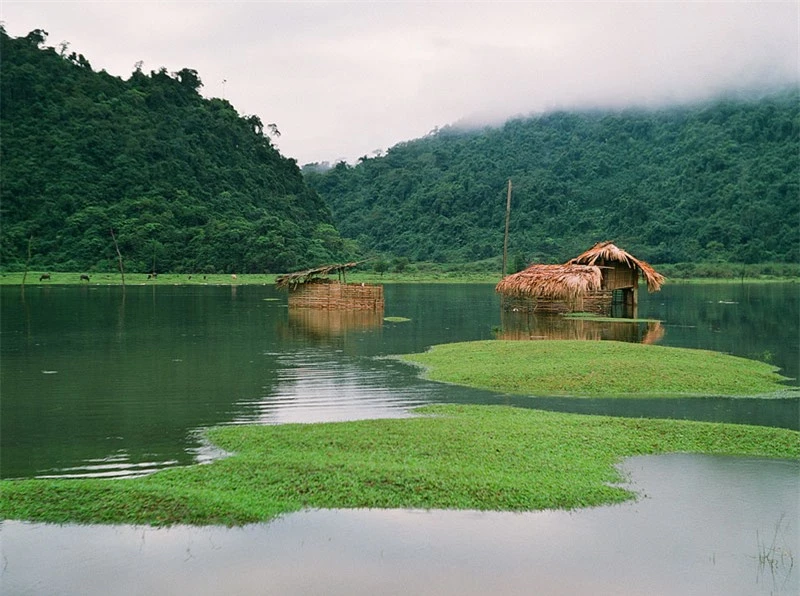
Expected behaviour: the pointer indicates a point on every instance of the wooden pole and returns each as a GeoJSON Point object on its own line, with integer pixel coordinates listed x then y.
{"type": "Point", "coordinates": [27, 261]}
{"type": "Point", "coordinates": [508, 217]}
{"type": "Point", "coordinates": [119, 256]}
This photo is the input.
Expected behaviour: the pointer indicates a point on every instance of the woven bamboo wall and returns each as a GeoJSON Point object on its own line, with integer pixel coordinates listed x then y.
{"type": "Point", "coordinates": [595, 302]}
{"type": "Point", "coordinates": [336, 296]}
{"type": "Point", "coordinates": [618, 276]}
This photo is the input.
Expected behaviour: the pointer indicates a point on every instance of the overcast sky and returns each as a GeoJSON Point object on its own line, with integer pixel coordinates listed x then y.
{"type": "Point", "coordinates": [344, 79]}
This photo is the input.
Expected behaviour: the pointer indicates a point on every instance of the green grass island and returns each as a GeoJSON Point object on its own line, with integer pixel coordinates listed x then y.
{"type": "Point", "coordinates": [582, 368]}
{"type": "Point", "coordinates": [446, 457]}
{"type": "Point", "coordinates": [443, 457]}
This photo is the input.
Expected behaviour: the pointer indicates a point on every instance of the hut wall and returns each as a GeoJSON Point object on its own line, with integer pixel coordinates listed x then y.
{"type": "Point", "coordinates": [529, 305]}
{"type": "Point", "coordinates": [598, 302]}
{"type": "Point", "coordinates": [336, 296]}
{"type": "Point", "coordinates": [617, 275]}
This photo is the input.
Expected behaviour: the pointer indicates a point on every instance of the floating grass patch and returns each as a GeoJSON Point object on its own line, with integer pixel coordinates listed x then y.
{"type": "Point", "coordinates": [450, 457]}
{"type": "Point", "coordinates": [596, 369]}
{"type": "Point", "coordinates": [396, 319]}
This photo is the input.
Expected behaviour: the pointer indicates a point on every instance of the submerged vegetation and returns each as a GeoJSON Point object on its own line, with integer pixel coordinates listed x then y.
{"type": "Point", "coordinates": [449, 457]}
{"type": "Point", "coordinates": [596, 369]}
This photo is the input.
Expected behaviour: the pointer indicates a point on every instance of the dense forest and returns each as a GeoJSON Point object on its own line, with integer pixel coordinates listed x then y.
{"type": "Point", "coordinates": [715, 183]}
{"type": "Point", "coordinates": [185, 183]}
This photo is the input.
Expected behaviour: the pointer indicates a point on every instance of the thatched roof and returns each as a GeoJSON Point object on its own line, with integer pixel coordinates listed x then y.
{"type": "Point", "coordinates": [311, 275]}
{"type": "Point", "coordinates": [603, 253]}
{"type": "Point", "coordinates": [552, 281]}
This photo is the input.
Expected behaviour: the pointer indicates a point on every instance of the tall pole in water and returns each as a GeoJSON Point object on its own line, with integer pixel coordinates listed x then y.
{"type": "Point", "coordinates": [508, 217]}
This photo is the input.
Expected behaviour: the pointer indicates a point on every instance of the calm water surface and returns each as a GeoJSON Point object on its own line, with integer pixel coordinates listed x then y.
{"type": "Point", "coordinates": [100, 382]}
{"type": "Point", "coordinates": [707, 526]}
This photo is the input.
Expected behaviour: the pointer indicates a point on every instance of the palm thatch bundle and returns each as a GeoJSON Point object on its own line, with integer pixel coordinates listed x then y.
{"type": "Point", "coordinates": [560, 282]}
{"type": "Point", "coordinates": [312, 275]}
{"type": "Point", "coordinates": [603, 253]}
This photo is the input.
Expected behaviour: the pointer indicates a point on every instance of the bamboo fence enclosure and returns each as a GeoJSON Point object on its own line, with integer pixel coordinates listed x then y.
{"type": "Point", "coordinates": [313, 289]}
{"type": "Point", "coordinates": [336, 296]}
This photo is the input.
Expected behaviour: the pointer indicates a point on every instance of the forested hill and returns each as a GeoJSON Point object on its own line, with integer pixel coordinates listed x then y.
{"type": "Point", "coordinates": [187, 184]}
{"type": "Point", "coordinates": [717, 182]}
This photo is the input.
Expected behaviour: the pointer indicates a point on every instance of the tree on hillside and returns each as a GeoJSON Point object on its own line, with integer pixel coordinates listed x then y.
{"type": "Point", "coordinates": [709, 182]}
{"type": "Point", "coordinates": [84, 152]}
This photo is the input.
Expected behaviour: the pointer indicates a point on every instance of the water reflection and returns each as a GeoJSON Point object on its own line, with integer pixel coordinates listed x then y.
{"type": "Point", "coordinates": [322, 323]}
{"type": "Point", "coordinates": [703, 525]}
{"type": "Point", "coordinates": [89, 373]}
{"type": "Point", "coordinates": [524, 325]}
{"type": "Point", "coordinates": [311, 386]}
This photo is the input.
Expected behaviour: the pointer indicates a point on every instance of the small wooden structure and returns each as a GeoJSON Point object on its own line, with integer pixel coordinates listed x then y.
{"type": "Point", "coordinates": [586, 283]}
{"type": "Point", "coordinates": [550, 288]}
{"type": "Point", "coordinates": [313, 288]}
{"type": "Point", "coordinates": [620, 271]}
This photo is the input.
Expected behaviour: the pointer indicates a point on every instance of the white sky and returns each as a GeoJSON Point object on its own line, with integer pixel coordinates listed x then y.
{"type": "Point", "coordinates": [344, 79]}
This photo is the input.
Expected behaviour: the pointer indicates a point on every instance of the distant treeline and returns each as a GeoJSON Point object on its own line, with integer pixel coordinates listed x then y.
{"type": "Point", "coordinates": [716, 182]}
{"type": "Point", "coordinates": [185, 183]}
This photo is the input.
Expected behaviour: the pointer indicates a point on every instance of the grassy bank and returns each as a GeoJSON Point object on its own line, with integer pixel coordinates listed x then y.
{"type": "Point", "coordinates": [593, 368]}
{"type": "Point", "coordinates": [218, 279]}
{"type": "Point", "coordinates": [133, 279]}
{"type": "Point", "coordinates": [464, 457]}
{"type": "Point", "coordinates": [106, 279]}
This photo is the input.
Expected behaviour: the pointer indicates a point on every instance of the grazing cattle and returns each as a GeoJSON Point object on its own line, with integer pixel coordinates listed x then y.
{"type": "Point", "coordinates": [233, 276]}
{"type": "Point", "coordinates": [44, 276]}
{"type": "Point", "coordinates": [84, 276]}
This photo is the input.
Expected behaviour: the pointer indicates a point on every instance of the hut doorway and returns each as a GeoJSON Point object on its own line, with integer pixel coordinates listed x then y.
{"type": "Point", "coordinates": [624, 303]}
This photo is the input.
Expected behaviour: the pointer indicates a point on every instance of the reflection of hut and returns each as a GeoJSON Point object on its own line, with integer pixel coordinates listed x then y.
{"type": "Point", "coordinates": [313, 288]}
{"type": "Point", "coordinates": [333, 323]}
{"type": "Point", "coordinates": [528, 326]}
{"type": "Point", "coordinates": [585, 283]}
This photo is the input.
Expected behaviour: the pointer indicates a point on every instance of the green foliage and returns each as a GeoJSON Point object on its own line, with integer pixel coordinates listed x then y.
{"type": "Point", "coordinates": [451, 457]}
{"type": "Point", "coordinates": [709, 183]}
{"type": "Point", "coordinates": [380, 267]}
{"type": "Point", "coordinates": [187, 184]}
{"type": "Point", "coordinates": [590, 368]}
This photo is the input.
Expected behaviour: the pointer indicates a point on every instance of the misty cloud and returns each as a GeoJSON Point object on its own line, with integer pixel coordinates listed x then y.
{"type": "Point", "coordinates": [344, 79]}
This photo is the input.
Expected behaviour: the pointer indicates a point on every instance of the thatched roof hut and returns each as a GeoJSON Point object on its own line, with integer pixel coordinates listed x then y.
{"type": "Point", "coordinates": [587, 282]}
{"type": "Point", "coordinates": [552, 281]}
{"type": "Point", "coordinates": [607, 255]}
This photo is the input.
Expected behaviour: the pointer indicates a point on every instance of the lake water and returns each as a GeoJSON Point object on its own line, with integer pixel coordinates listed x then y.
{"type": "Point", "coordinates": [101, 382]}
